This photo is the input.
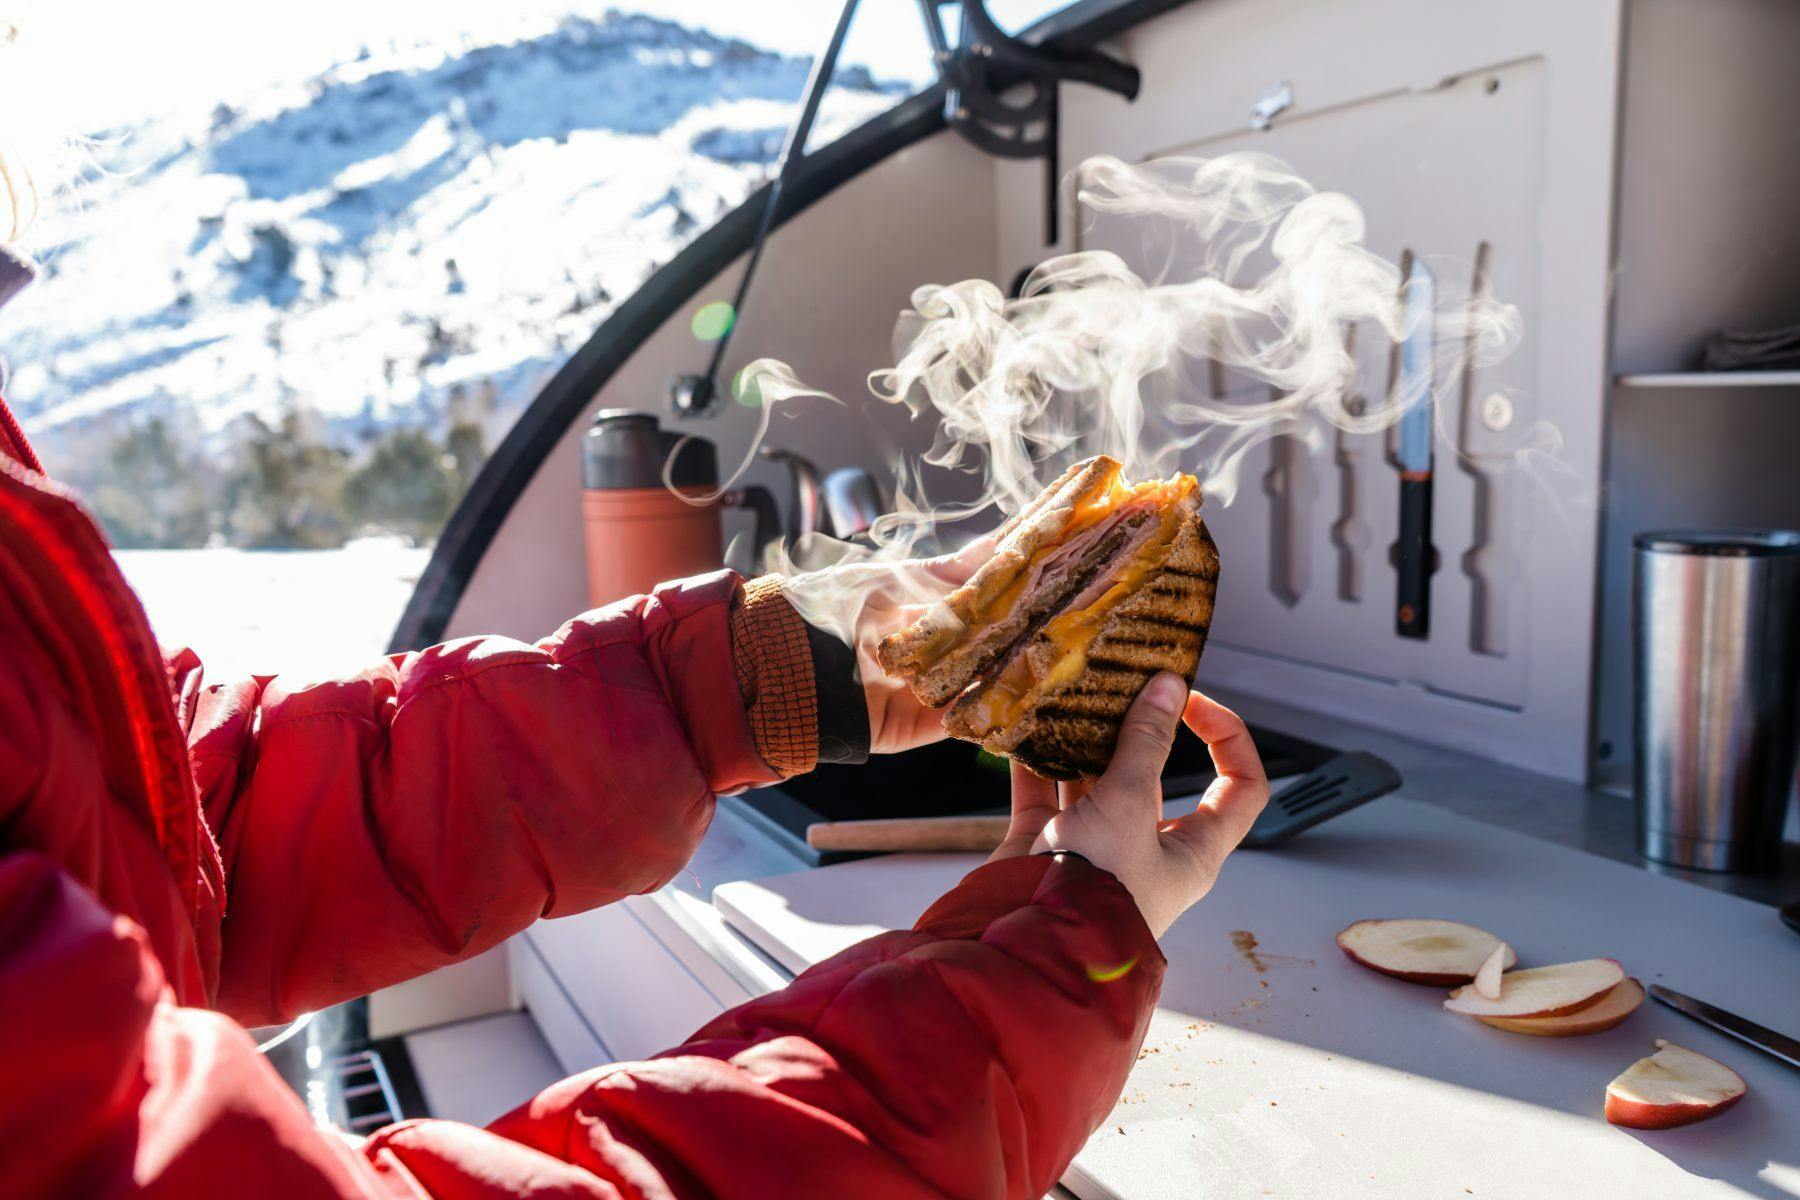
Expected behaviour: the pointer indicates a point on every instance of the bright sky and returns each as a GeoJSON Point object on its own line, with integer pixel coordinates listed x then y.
{"type": "Point", "coordinates": [85, 64]}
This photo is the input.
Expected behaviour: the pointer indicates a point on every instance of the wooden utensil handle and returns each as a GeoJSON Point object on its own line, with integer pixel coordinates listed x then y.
{"type": "Point", "coordinates": [944, 834]}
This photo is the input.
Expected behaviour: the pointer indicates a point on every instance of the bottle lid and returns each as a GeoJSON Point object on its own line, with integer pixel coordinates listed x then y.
{"type": "Point", "coordinates": [625, 448]}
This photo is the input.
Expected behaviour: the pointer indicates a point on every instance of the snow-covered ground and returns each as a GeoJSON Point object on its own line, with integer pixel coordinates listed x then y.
{"type": "Point", "coordinates": [267, 612]}
{"type": "Point", "coordinates": [444, 219]}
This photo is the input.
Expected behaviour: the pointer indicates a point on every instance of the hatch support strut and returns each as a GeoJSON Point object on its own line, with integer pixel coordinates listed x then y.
{"type": "Point", "coordinates": [999, 95]}
{"type": "Point", "coordinates": [694, 395]}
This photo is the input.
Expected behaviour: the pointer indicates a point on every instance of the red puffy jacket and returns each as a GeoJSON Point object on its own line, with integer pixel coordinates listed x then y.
{"type": "Point", "coordinates": [177, 858]}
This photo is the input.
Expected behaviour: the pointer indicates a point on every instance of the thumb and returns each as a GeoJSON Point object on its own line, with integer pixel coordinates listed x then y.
{"type": "Point", "coordinates": [1146, 735]}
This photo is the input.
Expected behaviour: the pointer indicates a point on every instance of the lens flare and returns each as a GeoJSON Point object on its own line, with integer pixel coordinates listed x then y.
{"type": "Point", "coordinates": [713, 321]}
{"type": "Point", "coordinates": [1111, 974]}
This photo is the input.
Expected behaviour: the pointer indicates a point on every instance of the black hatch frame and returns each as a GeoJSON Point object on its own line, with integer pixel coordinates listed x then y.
{"type": "Point", "coordinates": [566, 398]}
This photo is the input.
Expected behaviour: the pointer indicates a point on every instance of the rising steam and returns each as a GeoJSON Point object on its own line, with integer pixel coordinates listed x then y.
{"type": "Point", "coordinates": [1245, 334]}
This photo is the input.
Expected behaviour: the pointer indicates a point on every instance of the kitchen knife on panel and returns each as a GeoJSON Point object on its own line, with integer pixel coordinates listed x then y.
{"type": "Point", "coordinates": [1414, 556]}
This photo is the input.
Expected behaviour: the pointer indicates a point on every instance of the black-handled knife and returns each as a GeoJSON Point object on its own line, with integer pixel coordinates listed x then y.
{"type": "Point", "coordinates": [1778, 1045]}
{"type": "Point", "coordinates": [1414, 556]}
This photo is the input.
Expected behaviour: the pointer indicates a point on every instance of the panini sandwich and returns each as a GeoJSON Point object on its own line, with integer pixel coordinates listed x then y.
{"type": "Point", "coordinates": [1092, 589]}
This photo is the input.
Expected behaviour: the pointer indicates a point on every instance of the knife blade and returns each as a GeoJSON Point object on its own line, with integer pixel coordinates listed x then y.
{"type": "Point", "coordinates": [1779, 1045]}
{"type": "Point", "coordinates": [1413, 553]}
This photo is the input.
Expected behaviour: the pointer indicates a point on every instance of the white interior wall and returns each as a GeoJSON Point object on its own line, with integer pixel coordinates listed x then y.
{"type": "Point", "coordinates": [1204, 66]}
{"type": "Point", "coordinates": [1709, 239]}
{"type": "Point", "coordinates": [1709, 181]}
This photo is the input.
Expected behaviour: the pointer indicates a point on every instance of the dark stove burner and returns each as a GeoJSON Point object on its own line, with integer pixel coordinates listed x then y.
{"type": "Point", "coordinates": [956, 777]}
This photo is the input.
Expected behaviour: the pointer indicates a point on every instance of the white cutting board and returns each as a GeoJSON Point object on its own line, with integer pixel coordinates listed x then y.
{"type": "Point", "coordinates": [1313, 1077]}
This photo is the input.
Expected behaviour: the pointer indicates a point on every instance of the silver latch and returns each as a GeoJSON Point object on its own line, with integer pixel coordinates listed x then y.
{"type": "Point", "coordinates": [1497, 412]}
{"type": "Point", "coordinates": [1277, 100]}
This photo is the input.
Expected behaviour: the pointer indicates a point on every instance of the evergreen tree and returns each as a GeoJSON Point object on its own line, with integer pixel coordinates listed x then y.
{"type": "Point", "coordinates": [407, 486]}
{"type": "Point", "coordinates": [287, 488]}
{"type": "Point", "coordinates": [152, 489]}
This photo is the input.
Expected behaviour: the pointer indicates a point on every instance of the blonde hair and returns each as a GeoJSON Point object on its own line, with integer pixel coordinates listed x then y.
{"type": "Point", "coordinates": [19, 201]}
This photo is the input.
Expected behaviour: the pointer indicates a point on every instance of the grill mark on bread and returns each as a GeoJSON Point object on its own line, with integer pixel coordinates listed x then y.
{"type": "Point", "coordinates": [1162, 625]}
{"type": "Point", "coordinates": [1118, 641]}
{"type": "Point", "coordinates": [1070, 734]}
{"type": "Point", "coordinates": [1181, 628]}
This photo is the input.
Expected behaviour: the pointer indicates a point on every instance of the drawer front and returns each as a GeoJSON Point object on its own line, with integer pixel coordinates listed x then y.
{"type": "Point", "coordinates": [636, 995]}
{"type": "Point", "coordinates": [567, 1033]}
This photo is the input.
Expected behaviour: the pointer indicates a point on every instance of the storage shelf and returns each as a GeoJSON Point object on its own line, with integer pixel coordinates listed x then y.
{"type": "Point", "coordinates": [1710, 379]}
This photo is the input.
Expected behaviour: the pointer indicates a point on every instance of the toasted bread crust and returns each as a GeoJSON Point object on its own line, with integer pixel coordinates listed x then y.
{"type": "Point", "coordinates": [902, 653]}
{"type": "Point", "coordinates": [1069, 733]}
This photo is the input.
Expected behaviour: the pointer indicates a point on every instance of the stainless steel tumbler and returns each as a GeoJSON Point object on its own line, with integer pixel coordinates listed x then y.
{"type": "Point", "coordinates": [1716, 664]}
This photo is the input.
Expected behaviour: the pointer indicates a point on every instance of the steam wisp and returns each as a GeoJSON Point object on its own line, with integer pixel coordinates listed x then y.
{"type": "Point", "coordinates": [1189, 370]}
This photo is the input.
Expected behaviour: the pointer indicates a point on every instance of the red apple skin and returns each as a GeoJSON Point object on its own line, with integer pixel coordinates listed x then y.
{"type": "Point", "coordinates": [1566, 1009]}
{"type": "Point", "coordinates": [1570, 1024]}
{"type": "Point", "coordinates": [1441, 979]}
{"type": "Point", "coordinates": [1429, 978]}
{"type": "Point", "coordinates": [1634, 1114]}
{"type": "Point", "coordinates": [1576, 1007]}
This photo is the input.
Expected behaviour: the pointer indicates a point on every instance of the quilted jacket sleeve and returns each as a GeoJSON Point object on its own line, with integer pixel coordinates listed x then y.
{"type": "Point", "coordinates": [967, 1057]}
{"type": "Point", "coordinates": [375, 827]}
{"type": "Point", "coordinates": [970, 1057]}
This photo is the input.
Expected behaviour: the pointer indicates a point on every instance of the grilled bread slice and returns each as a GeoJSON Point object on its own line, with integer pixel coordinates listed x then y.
{"type": "Point", "coordinates": [1092, 590]}
{"type": "Point", "coordinates": [933, 653]}
{"type": "Point", "coordinates": [1067, 730]}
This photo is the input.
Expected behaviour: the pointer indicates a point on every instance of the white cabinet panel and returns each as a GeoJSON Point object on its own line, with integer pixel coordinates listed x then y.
{"type": "Point", "coordinates": [635, 995]}
{"type": "Point", "coordinates": [1453, 174]}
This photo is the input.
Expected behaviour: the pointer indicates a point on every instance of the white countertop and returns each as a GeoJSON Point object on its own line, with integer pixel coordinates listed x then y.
{"type": "Point", "coordinates": [1309, 1076]}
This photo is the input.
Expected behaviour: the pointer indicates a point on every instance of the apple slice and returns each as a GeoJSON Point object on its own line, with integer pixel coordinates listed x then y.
{"type": "Point", "coordinates": [1421, 949]}
{"type": "Point", "coordinates": [1543, 991]}
{"type": "Point", "coordinates": [1672, 1087]}
{"type": "Point", "coordinates": [1609, 1013]}
{"type": "Point", "coordinates": [1487, 978]}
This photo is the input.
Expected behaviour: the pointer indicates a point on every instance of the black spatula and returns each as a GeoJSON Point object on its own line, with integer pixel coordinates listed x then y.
{"type": "Point", "coordinates": [1333, 787]}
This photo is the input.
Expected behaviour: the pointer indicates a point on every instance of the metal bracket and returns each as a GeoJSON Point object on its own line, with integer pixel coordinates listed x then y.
{"type": "Point", "coordinates": [1277, 100]}
{"type": "Point", "coordinates": [1001, 93]}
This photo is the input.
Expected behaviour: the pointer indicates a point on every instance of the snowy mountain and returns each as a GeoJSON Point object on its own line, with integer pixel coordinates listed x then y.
{"type": "Point", "coordinates": [404, 234]}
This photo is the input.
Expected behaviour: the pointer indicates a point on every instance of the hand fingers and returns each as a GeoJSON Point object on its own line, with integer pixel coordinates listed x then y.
{"type": "Point", "coordinates": [1145, 737]}
{"type": "Point", "coordinates": [1031, 792]}
{"type": "Point", "coordinates": [1230, 806]}
{"type": "Point", "coordinates": [1227, 740]}
{"type": "Point", "coordinates": [1068, 793]}
{"type": "Point", "coordinates": [1220, 821]}
{"type": "Point", "coordinates": [1033, 804]}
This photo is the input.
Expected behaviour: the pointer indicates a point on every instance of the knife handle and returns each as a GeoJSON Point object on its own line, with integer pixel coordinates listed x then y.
{"type": "Point", "coordinates": [1414, 557]}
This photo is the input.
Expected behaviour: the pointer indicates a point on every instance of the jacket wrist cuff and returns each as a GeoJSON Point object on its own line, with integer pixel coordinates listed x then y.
{"type": "Point", "coordinates": [843, 708]}
{"type": "Point", "coordinates": [774, 666]}
{"type": "Point", "coordinates": [801, 686]}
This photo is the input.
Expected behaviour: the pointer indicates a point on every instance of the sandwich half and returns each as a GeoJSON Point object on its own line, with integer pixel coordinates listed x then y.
{"type": "Point", "coordinates": [1095, 587]}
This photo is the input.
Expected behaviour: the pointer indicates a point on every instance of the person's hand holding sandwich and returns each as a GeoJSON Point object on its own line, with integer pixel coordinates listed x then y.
{"type": "Point", "coordinates": [1118, 825]}
{"type": "Point", "coordinates": [1067, 649]}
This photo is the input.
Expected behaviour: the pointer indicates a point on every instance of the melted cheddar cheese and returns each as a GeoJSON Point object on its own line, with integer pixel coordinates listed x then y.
{"type": "Point", "coordinates": [1072, 633]}
{"type": "Point", "coordinates": [1090, 511]}
{"type": "Point", "coordinates": [1001, 593]}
